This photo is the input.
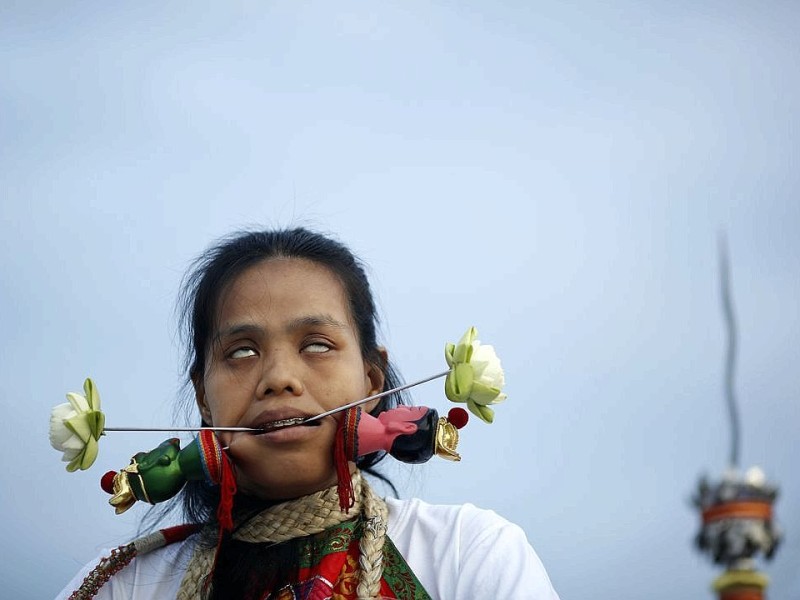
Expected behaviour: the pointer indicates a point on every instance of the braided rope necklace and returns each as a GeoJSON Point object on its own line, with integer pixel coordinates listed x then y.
{"type": "Point", "coordinates": [302, 517]}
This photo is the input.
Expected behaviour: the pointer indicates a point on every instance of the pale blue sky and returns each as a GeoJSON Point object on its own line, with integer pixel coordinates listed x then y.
{"type": "Point", "coordinates": [553, 173]}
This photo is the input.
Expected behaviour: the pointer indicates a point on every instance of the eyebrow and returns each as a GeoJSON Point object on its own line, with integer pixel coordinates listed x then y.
{"type": "Point", "coordinates": [322, 320]}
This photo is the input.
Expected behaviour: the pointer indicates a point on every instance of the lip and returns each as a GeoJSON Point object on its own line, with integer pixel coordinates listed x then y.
{"type": "Point", "coordinates": [278, 418]}
{"type": "Point", "coordinates": [286, 435]}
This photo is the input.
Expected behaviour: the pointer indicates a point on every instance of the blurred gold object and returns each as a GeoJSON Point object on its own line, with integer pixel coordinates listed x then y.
{"type": "Point", "coordinates": [123, 497]}
{"type": "Point", "coordinates": [447, 440]}
{"type": "Point", "coordinates": [730, 580]}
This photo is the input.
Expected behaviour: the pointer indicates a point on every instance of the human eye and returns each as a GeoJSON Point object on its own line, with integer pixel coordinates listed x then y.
{"type": "Point", "coordinates": [316, 347]}
{"type": "Point", "coordinates": [241, 352]}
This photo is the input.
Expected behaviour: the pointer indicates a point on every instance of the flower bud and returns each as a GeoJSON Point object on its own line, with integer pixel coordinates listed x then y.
{"type": "Point", "coordinates": [76, 426]}
{"type": "Point", "coordinates": [476, 375]}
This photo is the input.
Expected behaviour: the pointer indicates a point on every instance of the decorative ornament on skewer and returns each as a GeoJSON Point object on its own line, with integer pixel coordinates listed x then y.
{"type": "Point", "coordinates": [76, 427]}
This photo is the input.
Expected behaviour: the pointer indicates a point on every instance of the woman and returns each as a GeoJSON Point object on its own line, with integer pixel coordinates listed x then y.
{"type": "Point", "coordinates": [282, 325]}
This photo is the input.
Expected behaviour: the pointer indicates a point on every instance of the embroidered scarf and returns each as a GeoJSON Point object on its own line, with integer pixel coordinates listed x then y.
{"type": "Point", "coordinates": [329, 564]}
{"type": "Point", "coordinates": [348, 556]}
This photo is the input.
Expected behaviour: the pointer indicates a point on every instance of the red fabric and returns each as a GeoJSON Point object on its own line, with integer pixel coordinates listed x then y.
{"type": "Point", "coordinates": [211, 454]}
{"type": "Point", "coordinates": [344, 484]}
{"type": "Point", "coordinates": [178, 533]}
{"type": "Point", "coordinates": [219, 468]}
{"type": "Point", "coordinates": [335, 576]}
{"type": "Point", "coordinates": [227, 490]}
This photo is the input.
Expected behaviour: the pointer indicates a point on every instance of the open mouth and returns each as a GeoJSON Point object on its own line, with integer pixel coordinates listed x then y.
{"type": "Point", "coordinates": [283, 423]}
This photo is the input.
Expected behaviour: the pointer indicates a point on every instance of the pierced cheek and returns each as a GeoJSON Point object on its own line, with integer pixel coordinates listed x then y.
{"type": "Point", "coordinates": [231, 440]}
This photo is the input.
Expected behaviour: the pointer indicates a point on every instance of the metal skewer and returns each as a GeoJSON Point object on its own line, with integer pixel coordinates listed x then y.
{"type": "Point", "coordinates": [295, 422]}
{"type": "Point", "coordinates": [181, 429]}
{"type": "Point", "coordinates": [369, 398]}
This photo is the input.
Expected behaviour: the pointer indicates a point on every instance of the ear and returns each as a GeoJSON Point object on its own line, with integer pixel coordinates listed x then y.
{"type": "Point", "coordinates": [376, 377]}
{"type": "Point", "coordinates": [200, 398]}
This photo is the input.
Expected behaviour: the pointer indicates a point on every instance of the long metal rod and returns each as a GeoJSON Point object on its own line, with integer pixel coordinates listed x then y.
{"type": "Point", "coordinates": [294, 424]}
{"type": "Point", "coordinates": [181, 429]}
{"type": "Point", "coordinates": [370, 398]}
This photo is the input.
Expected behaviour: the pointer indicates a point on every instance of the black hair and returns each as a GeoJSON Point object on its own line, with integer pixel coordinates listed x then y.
{"type": "Point", "coordinates": [203, 288]}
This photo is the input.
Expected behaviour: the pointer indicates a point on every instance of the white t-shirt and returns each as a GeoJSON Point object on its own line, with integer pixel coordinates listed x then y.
{"type": "Point", "coordinates": [457, 553]}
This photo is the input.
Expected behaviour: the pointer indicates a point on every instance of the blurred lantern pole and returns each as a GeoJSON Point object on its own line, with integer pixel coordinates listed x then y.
{"type": "Point", "coordinates": [736, 512]}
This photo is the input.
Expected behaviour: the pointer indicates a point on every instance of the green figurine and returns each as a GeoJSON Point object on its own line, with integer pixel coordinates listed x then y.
{"type": "Point", "coordinates": [160, 474]}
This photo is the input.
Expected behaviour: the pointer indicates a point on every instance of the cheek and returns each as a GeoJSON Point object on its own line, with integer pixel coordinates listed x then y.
{"type": "Point", "coordinates": [222, 400]}
{"type": "Point", "coordinates": [332, 395]}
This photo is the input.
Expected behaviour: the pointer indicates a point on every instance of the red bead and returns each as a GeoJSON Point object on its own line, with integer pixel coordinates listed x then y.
{"type": "Point", "coordinates": [458, 417]}
{"type": "Point", "coordinates": [107, 482]}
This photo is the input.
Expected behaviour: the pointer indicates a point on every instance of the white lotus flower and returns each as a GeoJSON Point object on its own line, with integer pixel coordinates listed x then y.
{"type": "Point", "coordinates": [76, 426]}
{"type": "Point", "coordinates": [476, 375]}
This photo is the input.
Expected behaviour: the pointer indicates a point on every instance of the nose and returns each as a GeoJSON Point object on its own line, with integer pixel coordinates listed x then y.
{"type": "Point", "coordinates": [280, 375]}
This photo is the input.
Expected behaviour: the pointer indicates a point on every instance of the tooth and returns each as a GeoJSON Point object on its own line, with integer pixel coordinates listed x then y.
{"type": "Point", "coordinates": [283, 423]}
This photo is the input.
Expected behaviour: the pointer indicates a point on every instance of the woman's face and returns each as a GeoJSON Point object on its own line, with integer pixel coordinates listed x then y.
{"type": "Point", "coordinates": [284, 346]}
